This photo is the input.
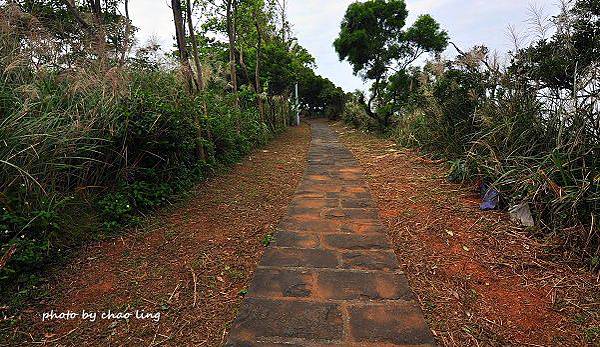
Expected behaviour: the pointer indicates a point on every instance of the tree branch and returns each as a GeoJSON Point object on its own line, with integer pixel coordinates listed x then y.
{"type": "Point", "coordinates": [72, 8]}
{"type": "Point", "coordinates": [463, 53]}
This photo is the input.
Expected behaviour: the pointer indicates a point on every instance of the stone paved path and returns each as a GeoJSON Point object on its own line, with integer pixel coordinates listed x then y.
{"type": "Point", "coordinates": [330, 277]}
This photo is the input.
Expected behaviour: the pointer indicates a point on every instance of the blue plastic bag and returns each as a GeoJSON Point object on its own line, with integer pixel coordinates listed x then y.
{"type": "Point", "coordinates": [490, 196]}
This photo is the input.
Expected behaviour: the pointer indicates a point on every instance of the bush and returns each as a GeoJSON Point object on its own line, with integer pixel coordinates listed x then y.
{"type": "Point", "coordinates": [110, 144]}
{"type": "Point", "coordinates": [91, 135]}
{"type": "Point", "coordinates": [529, 129]}
{"type": "Point", "coordinates": [354, 114]}
{"type": "Point", "coordinates": [496, 128]}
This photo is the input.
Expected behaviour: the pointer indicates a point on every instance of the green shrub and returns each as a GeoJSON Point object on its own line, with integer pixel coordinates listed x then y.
{"type": "Point", "coordinates": [530, 129]}
{"type": "Point", "coordinates": [354, 114]}
{"type": "Point", "coordinates": [123, 151]}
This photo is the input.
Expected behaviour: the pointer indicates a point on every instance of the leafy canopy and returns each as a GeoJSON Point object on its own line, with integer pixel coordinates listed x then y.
{"type": "Point", "coordinates": [373, 40]}
{"type": "Point", "coordinates": [556, 62]}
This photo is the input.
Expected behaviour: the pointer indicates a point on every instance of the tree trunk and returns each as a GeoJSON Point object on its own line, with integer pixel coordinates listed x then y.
{"type": "Point", "coordinates": [284, 24]}
{"type": "Point", "coordinates": [244, 67]}
{"type": "Point", "coordinates": [127, 33]}
{"type": "Point", "coordinates": [199, 82]}
{"type": "Point", "coordinates": [369, 108]}
{"type": "Point", "coordinates": [200, 76]}
{"type": "Point", "coordinates": [96, 31]}
{"type": "Point", "coordinates": [72, 8]}
{"type": "Point", "coordinates": [231, 36]}
{"type": "Point", "coordinates": [95, 6]}
{"type": "Point", "coordinates": [186, 69]}
{"type": "Point", "coordinates": [257, 84]}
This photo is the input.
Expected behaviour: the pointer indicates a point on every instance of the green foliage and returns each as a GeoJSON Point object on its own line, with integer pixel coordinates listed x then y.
{"type": "Point", "coordinates": [529, 129]}
{"type": "Point", "coordinates": [373, 40]}
{"type": "Point", "coordinates": [447, 109]}
{"type": "Point", "coordinates": [592, 334]}
{"type": "Point", "coordinates": [93, 137]}
{"type": "Point", "coordinates": [426, 34]}
{"type": "Point", "coordinates": [556, 65]}
{"type": "Point", "coordinates": [87, 150]}
{"type": "Point", "coordinates": [142, 152]}
{"type": "Point", "coordinates": [354, 113]}
{"type": "Point", "coordinates": [284, 65]}
{"type": "Point", "coordinates": [116, 209]}
{"type": "Point", "coordinates": [369, 32]}
{"type": "Point", "coordinates": [459, 171]}
{"type": "Point", "coordinates": [266, 241]}
{"type": "Point", "coordinates": [282, 62]}
{"type": "Point", "coordinates": [29, 226]}
{"type": "Point", "coordinates": [319, 96]}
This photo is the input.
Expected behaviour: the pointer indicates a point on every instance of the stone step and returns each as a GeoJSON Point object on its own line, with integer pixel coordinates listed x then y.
{"type": "Point", "coordinates": [330, 277]}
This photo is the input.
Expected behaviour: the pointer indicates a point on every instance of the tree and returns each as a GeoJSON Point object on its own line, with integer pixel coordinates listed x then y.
{"type": "Point", "coordinates": [319, 96]}
{"type": "Point", "coordinates": [372, 38]}
{"type": "Point", "coordinates": [258, 24]}
{"type": "Point", "coordinates": [266, 57]}
{"type": "Point", "coordinates": [126, 44]}
{"type": "Point", "coordinates": [82, 28]}
{"type": "Point", "coordinates": [183, 55]}
{"type": "Point", "coordinates": [200, 77]}
{"type": "Point", "coordinates": [285, 25]}
{"type": "Point", "coordinates": [184, 61]}
{"type": "Point", "coordinates": [231, 11]}
{"type": "Point", "coordinates": [558, 61]}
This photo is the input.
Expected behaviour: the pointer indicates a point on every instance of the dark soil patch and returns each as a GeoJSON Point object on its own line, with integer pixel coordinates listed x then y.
{"type": "Point", "coordinates": [481, 280]}
{"type": "Point", "coordinates": [191, 263]}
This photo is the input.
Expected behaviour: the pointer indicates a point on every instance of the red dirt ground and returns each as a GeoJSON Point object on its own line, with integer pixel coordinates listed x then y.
{"type": "Point", "coordinates": [189, 262]}
{"type": "Point", "coordinates": [481, 280]}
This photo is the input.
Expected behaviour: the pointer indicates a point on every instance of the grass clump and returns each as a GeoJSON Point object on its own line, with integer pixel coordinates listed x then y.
{"type": "Point", "coordinates": [88, 143]}
{"type": "Point", "coordinates": [529, 128]}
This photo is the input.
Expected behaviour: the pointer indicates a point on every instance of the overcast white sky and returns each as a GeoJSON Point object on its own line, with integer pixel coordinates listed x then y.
{"type": "Point", "coordinates": [316, 24]}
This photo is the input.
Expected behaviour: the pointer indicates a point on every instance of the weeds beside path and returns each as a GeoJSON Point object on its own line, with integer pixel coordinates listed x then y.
{"type": "Point", "coordinates": [481, 281]}
{"type": "Point", "coordinates": [189, 263]}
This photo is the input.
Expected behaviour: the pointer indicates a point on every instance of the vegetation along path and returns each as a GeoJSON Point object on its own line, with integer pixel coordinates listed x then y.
{"type": "Point", "coordinates": [330, 275]}
{"type": "Point", "coordinates": [189, 262]}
